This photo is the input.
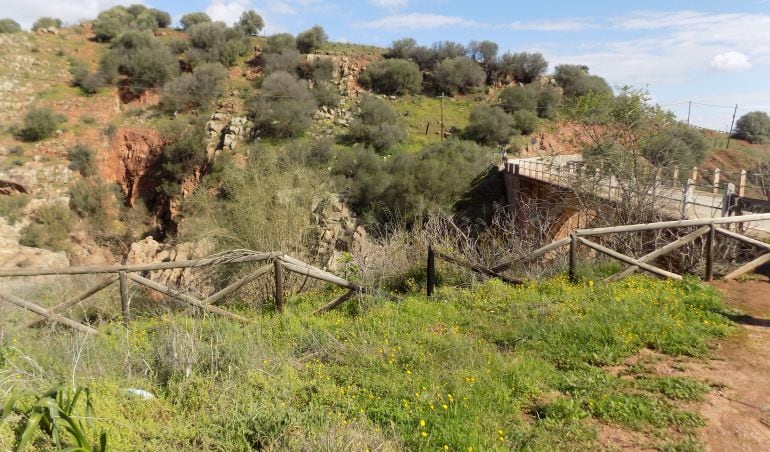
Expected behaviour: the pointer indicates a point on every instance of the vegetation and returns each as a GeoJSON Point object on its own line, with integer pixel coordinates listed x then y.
{"type": "Point", "coordinates": [285, 60]}
{"type": "Point", "coordinates": [9, 26]}
{"type": "Point", "coordinates": [576, 81]}
{"type": "Point", "coordinates": [251, 23]}
{"type": "Point", "coordinates": [458, 75]}
{"type": "Point", "coordinates": [12, 207]}
{"type": "Point", "coordinates": [376, 125]}
{"type": "Point", "coordinates": [50, 228]}
{"type": "Point", "coordinates": [88, 81]}
{"type": "Point", "coordinates": [679, 146]}
{"type": "Point", "coordinates": [193, 91]}
{"type": "Point", "coordinates": [284, 108]}
{"type": "Point", "coordinates": [143, 60]}
{"type": "Point", "coordinates": [117, 20]}
{"type": "Point", "coordinates": [184, 152]}
{"type": "Point", "coordinates": [46, 22]}
{"type": "Point", "coordinates": [216, 42]}
{"type": "Point", "coordinates": [753, 127]}
{"type": "Point", "coordinates": [190, 19]}
{"type": "Point", "coordinates": [522, 67]}
{"type": "Point", "coordinates": [279, 42]}
{"type": "Point", "coordinates": [393, 76]}
{"type": "Point", "coordinates": [310, 40]}
{"type": "Point", "coordinates": [489, 126]}
{"type": "Point", "coordinates": [81, 159]}
{"type": "Point", "coordinates": [40, 123]}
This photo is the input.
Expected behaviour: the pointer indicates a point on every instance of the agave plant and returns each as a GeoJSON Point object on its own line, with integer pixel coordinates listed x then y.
{"type": "Point", "coordinates": [53, 413]}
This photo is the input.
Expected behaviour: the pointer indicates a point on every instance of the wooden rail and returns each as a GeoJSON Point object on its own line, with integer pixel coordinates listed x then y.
{"type": "Point", "coordinates": [126, 274]}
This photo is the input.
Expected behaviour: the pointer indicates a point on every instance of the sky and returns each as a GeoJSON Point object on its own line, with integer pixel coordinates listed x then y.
{"type": "Point", "coordinates": [715, 54]}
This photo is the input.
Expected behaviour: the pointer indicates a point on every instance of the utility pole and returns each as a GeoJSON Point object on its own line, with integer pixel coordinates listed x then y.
{"type": "Point", "coordinates": [732, 123]}
{"type": "Point", "coordinates": [442, 117]}
{"type": "Point", "coordinates": [689, 108]}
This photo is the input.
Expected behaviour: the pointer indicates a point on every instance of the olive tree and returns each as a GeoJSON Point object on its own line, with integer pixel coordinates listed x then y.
{"type": "Point", "coordinates": [285, 107]}
{"type": "Point", "coordinates": [311, 39]}
{"type": "Point", "coordinates": [376, 124]}
{"type": "Point", "coordinates": [458, 75]}
{"type": "Point", "coordinates": [392, 77]}
{"type": "Point", "coordinates": [753, 127]}
{"type": "Point", "coordinates": [251, 23]}
{"type": "Point", "coordinates": [522, 67]}
{"type": "Point", "coordinates": [489, 125]}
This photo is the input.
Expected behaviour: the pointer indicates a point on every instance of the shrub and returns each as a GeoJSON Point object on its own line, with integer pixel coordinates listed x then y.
{"type": "Point", "coordinates": [489, 125]}
{"type": "Point", "coordinates": [251, 23]}
{"type": "Point", "coordinates": [278, 42]}
{"type": "Point", "coordinates": [680, 146]}
{"type": "Point", "coordinates": [193, 91]}
{"type": "Point", "coordinates": [402, 49]}
{"type": "Point", "coordinates": [444, 50]}
{"type": "Point", "coordinates": [285, 107]}
{"type": "Point", "coordinates": [525, 121]}
{"type": "Point", "coordinates": [40, 123]}
{"type": "Point", "coordinates": [458, 75]}
{"type": "Point", "coordinates": [188, 20]}
{"type": "Point", "coordinates": [184, 152]}
{"type": "Point", "coordinates": [117, 20]}
{"type": "Point", "coordinates": [162, 18]}
{"type": "Point", "coordinates": [548, 102]}
{"type": "Point", "coordinates": [753, 127]}
{"type": "Point", "coordinates": [142, 59]}
{"type": "Point", "coordinates": [392, 77]}
{"type": "Point", "coordinates": [310, 40]}
{"type": "Point", "coordinates": [89, 82]}
{"type": "Point", "coordinates": [317, 153]}
{"type": "Point", "coordinates": [9, 26]}
{"type": "Point", "coordinates": [576, 81]}
{"type": "Point", "coordinates": [89, 198]}
{"type": "Point", "coordinates": [12, 207]}
{"type": "Point", "coordinates": [484, 52]}
{"type": "Point", "coordinates": [376, 124]}
{"type": "Point", "coordinates": [326, 94]}
{"type": "Point", "coordinates": [317, 68]}
{"type": "Point", "coordinates": [515, 98]}
{"type": "Point", "coordinates": [46, 22]}
{"type": "Point", "coordinates": [49, 228]}
{"type": "Point", "coordinates": [81, 159]}
{"type": "Point", "coordinates": [287, 60]}
{"type": "Point", "coordinates": [215, 41]}
{"type": "Point", "coordinates": [522, 67]}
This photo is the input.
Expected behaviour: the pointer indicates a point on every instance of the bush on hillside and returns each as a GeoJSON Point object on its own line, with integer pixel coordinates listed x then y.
{"type": "Point", "coordinates": [326, 94]}
{"type": "Point", "coordinates": [753, 127]}
{"type": "Point", "coordinates": [117, 20]}
{"type": "Point", "coordinates": [184, 152]}
{"type": "Point", "coordinates": [144, 61]}
{"type": "Point", "coordinates": [278, 42]}
{"type": "Point", "coordinates": [489, 126]}
{"type": "Point", "coordinates": [39, 123]}
{"type": "Point", "coordinates": [50, 228]}
{"type": "Point", "coordinates": [376, 125]}
{"type": "Point", "coordinates": [81, 159]}
{"type": "Point", "coordinates": [89, 82]}
{"type": "Point", "coordinates": [394, 76]}
{"type": "Point", "coordinates": [483, 52]}
{"type": "Point", "coordinates": [188, 20]}
{"type": "Point", "coordinates": [251, 23]}
{"type": "Point", "coordinates": [680, 146]}
{"type": "Point", "coordinates": [287, 60]}
{"type": "Point", "coordinates": [46, 22]}
{"type": "Point", "coordinates": [216, 42]}
{"type": "Point", "coordinates": [402, 49]}
{"type": "Point", "coordinates": [312, 39]}
{"type": "Point", "coordinates": [576, 81]}
{"type": "Point", "coordinates": [541, 100]}
{"type": "Point", "coordinates": [9, 26]}
{"type": "Point", "coordinates": [548, 102]}
{"type": "Point", "coordinates": [444, 50]}
{"type": "Point", "coordinates": [458, 75]}
{"type": "Point", "coordinates": [525, 121]}
{"type": "Point", "coordinates": [522, 67]}
{"type": "Point", "coordinates": [285, 107]}
{"type": "Point", "coordinates": [94, 200]}
{"type": "Point", "coordinates": [318, 69]}
{"type": "Point", "coordinates": [193, 91]}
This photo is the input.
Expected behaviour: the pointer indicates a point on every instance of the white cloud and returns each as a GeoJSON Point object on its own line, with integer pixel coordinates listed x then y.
{"type": "Point", "coordinates": [420, 21]}
{"type": "Point", "coordinates": [390, 4]}
{"type": "Point", "coordinates": [28, 11]}
{"type": "Point", "coordinates": [554, 25]}
{"type": "Point", "coordinates": [227, 11]}
{"type": "Point", "coordinates": [730, 61]}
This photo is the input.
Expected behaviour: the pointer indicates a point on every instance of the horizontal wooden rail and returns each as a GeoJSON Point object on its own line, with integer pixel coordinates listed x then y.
{"type": "Point", "coordinates": [477, 268]}
{"type": "Point", "coordinates": [533, 255]}
{"type": "Point", "coordinates": [106, 282]}
{"type": "Point", "coordinates": [627, 259]}
{"type": "Point", "coordinates": [672, 224]}
{"type": "Point", "coordinates": [41, 311]}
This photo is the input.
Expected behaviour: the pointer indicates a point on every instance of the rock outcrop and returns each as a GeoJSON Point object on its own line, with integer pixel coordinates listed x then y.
{"type": "Point", "coordinates": [149, 251]}
{"type": "Point", "coordinates": [13, 255]}
{"type": "Point", "coordinates": [337, 231]}
{"type": "Point", "coordinates": [132, 162]}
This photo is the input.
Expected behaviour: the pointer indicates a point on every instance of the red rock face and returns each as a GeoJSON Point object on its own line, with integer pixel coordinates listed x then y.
{"type": "Point", "coordinates": [132, 162]}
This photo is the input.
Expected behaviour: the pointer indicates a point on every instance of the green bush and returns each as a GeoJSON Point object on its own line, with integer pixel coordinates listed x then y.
{"type": "Point", "coordinates": [318, 153]}
{"type": "Point", "coordinates": [318, 69]}
{"type": "Point", "coordinates": [376, 124]}
{"type": "Point", "coordinates": [117, 20]}
{"type": "Point", "coordinates": [251, 23]}
{"type": "Point", "coordinates": [548, 102]}
{"type": "Point", "coordinates": [525, 121]}
{"type": "Point", "coordinates": [40, 123]}
{"type": "Point", "coordinates": [489, 126]}
{"type": "Point", "coordinates": [46, 22]}
{"type": "Point", "coordinates": [142, 59]}
{"type": "Point", "coordinates": [522, 67]}
{"type": "Point", "coordinates": [287, 60]}
{"type": "Point", "coordinates": [402, 49]}
{"type": "Point", "coordinates": [49, 228]}
{"type": "Point", "coordinates": [458, 75]}
{"type": "Point", "coordinates": [215, 41]}
{"type": "Point", "coordinates": [679, 146]}
{"type": "Point", "coordinates": [312, 39]}
{"type": "Point", "coordinates": [89, 82]}
{"type": "Point", "coordinates": [81, 159]}
{"type": "Point", "coordinates": [12, 207]}
{"type": "Point", "coordinates": [278, 42]}
{"type": "Point", "coordinates": [484, 52]}
{"type": "Point", "coordinates": [188, 20]}
{"type": "Point", "coordinates": [326, 94]}
{"type": "Point", "coordinates": [446, 50]}
{"type": "Point", "coordinates": [95, 201]}
{"type": "Point", "coordinates": [193, 91]}
{"type": "Point", "coordinates": [753, 127]}
{"type": "Point", "coordinates": [394, 76]}
{"type": "Point", "coordinates": [285, 107]}
{"type": "Point", "coordinates": [9, 26]}
{"type": "Point", "coordinates": [542, 100]}
{"type": "Point", "coordinates": [184, 152]}
{"type": "Point", "coordinates": [576, 81]}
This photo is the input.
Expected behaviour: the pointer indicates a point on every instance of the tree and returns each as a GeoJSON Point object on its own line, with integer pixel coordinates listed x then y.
{"type": "Point", "coordinates": [753, 127]}
{"type": "Point", "coordinates": [117, 20]}
{"type": "Point", "coordinates": [284, 108]}
{"type": "Point", "coordinates": [251, 23]}
{"type": "Point", "coordinates": [46, 22]}
{"type": "Point", "coordinates": [458, 75]}
{"type": "Point", "coordinates": [162, 18]}
{"type": "Point", "coordinates": [215, 41]}
{"type": "Point", "coordinates": [443, 50]}
{"type": "Point", "coordinates": [576, 81]}
{"type": "Point", "coordinates": [193, 91]}
{"type": "Point", "coordinates": [548, 102]}
{"type": "Point", "coordinates": [376, 124]}
{"type": "Point", "coordinates": [184, 152]}
{"type": "Point", "coordinates": [40, 123]}
{"type": "Point", "coordinates": [522, 67]}
{"type": "Point", "coordinates": [680, 146]}
{"type": "Point", "coordinates": [142, 59]}
{"type": "Point", "coordinates": [518, 97]}
{"type": "Point", "coordinates": [483, 52]}
{"type": "Point", "coordinates": [311, 39]}
{"type": "Point", "coordinates": [489, 125]}
{"type": "Point", "coordinates": [9, 26]}
{"type": "Point", "coordinates": [287, 60]}
{"type": "Point", "coordinates": [402, 48]}
{"type": "Point", "coordinates": [525, 121]}
{"type": "Point", "coordinates": [278, 42]}
{"type": "Point", "coordinates": [188, 20]}
{"type": "Point", "coordinates": [392, 77]}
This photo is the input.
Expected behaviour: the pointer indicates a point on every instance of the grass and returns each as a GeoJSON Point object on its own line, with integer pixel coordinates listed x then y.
{"type": "Point", "coordinates": [488, 368]}
{"type": "Point", "coordinates": [417, 111]}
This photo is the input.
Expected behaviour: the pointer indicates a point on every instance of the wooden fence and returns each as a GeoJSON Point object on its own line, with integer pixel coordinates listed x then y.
{"type": "Point", "coordinates": [276, 262]}
{"type": "Point", "coordinates": [709, 227]}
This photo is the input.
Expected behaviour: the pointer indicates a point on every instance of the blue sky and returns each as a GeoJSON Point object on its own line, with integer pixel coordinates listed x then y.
{"type": "Point", "coordinates": [710, 52]}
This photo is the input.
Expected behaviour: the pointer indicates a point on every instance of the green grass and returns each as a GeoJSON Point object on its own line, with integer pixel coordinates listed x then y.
{"type": "Point", "coordinates": [417, 111]}
{"type": "Point", "coordinates": [489, 368]}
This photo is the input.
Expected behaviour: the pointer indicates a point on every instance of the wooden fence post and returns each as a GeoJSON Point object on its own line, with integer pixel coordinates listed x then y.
{"type": "Point", "coordinates": [742, 184]}
{"type": "Point", "coordinates": [573, 257]}
{"type": "Point", "coordinates": [710, 238]}
{"type": "Point", "coordinates": [278, 273]}
{"type": "Point", "coordinates": [715, 187]}
{"type": "Point", "coordinates": [125, 301]}
{"type": "Point", "coordinates": [687, 197]}
{"type": "Point", "coordinates": [431, 271]}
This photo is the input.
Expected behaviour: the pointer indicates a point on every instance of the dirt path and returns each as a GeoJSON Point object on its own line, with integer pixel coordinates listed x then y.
{"type": "Point", "coordinates": [738, 414]}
